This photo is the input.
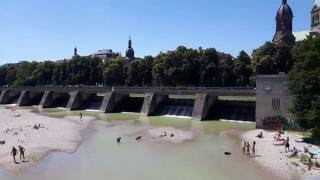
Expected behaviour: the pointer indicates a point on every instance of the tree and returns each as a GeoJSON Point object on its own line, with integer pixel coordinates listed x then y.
{"type": "Point", "coordinates": [242, 69]}
{"type": "Point", "coordinates": [272, 59]}
{"type": "Point", "coordinates": [304, 82]}
{"type": "Point", "coordinates": [114, 72]}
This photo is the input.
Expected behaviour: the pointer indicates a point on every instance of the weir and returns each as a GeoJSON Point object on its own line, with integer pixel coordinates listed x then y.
{"type": "Point", "coordinates": [131, 103]}
{"type": "Point", "coordinates": [233, 110]}
{"type": "Point", "coordinates": [84, 100]}
{"type": "Point", "coordinates": [176, 106]}
{"type": "Point", "coordinates": [29, 98]}
{"type": "Point", "coordinates": [196, 103]}
{"type": "Point", "coordinates": [52, 99]}
{"type": "Point", "coordinates": [9, 96]}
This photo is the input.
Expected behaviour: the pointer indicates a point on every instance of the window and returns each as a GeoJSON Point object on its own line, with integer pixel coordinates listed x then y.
{"type": "Point", "coordinates": [275, 103]}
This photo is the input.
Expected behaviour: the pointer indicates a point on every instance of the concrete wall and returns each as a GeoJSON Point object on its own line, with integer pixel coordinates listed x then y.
{"type": "Point", "coordinates": [77, 99]}
{"type": "Point", "coordinates": [28, 98]}
{"type": "Point", "coordinates": [273, 98]}
{"type": "Point", "coordinates": [8, 95]}
{"type": "Point", "coordinates": [53, 99]}
{"type": "Point", "coordinates": [202, 105]}
{"type": "Point", "coordinates": [151, 103]}
{"type": "Point", "coordinates": [111, 100]}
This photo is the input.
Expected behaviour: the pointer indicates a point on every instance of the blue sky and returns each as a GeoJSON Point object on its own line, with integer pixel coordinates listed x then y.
{"type": "Point", "coordinates": [49, 29]}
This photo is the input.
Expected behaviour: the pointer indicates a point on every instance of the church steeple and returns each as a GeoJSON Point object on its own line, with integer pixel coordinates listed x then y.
{"type": "Point", "coordinates": [75, 52]}
{"type": "Point", "coordinates": [130, 43]}
{"type": "Point", "coordinates": [130, 51]}
{"type": "Point", "coordinates": [315, 17]}
{"type": "Point", "coordinates": [284, 19]}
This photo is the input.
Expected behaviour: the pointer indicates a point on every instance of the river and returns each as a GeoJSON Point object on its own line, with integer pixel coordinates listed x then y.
{"type": "Point", "coordinates": [100, 158]}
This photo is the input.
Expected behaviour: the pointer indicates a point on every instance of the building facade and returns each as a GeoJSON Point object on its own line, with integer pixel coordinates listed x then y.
{"type": "Point", "coordinates": [315, 23]}
{"type": "Point", "coordinates": [105, 54]}
{"type": "Point", "coordinates": [315, 17]}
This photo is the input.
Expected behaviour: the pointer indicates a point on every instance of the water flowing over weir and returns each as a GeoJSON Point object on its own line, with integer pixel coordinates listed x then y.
{"type": "Point", "coordinates": [93, 103]}
{"type": "Point", "coordinates": [233, 110]}
{"type": "Point", "coordinates": [130, 104]}
{"type": "Point", "coordinates": [177, 107]}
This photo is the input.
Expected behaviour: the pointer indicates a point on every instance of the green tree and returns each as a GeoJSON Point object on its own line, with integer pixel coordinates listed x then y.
{"type": "Point", "coordinates": [272, 59]}
{"type": "Point", "coordinates": [305, 82]}
{"type": "Point", "coordinates": [242, 69]}
{"type": "Point", "coordinates": [114, 72]}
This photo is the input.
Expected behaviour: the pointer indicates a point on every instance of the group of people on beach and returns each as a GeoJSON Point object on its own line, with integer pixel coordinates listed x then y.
{"type": "Point", "coordinates": [14, 152]}
{"type": "Point", "coordinates": [249, 149]}
{"type": "Point", "coordinates": [281, 140]}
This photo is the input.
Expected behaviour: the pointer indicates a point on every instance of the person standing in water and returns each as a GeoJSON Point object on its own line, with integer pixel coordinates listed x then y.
{"type": "Point", "coordinates": [80, 116]}
{"type": "Point", "coordinates": [248, 149]}
{"type": "Point", "coordinates": [14, 153]}
{"type": "Point", "coordinates": [244, 147]}
{"type": "Point", "coordinates": [22, 150]}
{"type": "Point", "coordinates": [254, 148]}
{"type": "Point", "coordinates": [287, 145]}
{"type": "Point", "coordinates": [118, 140]}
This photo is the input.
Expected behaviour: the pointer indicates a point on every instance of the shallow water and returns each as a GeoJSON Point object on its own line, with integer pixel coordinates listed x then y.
{"type": "Point", "coordinates": [99, 157]}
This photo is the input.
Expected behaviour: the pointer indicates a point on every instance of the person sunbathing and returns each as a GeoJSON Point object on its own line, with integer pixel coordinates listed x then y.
{"type": "Point", "coordinates": [35, 126]}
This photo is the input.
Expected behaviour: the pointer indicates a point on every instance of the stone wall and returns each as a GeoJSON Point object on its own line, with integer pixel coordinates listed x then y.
{"type": "Point", "coordinates": [273, 100]}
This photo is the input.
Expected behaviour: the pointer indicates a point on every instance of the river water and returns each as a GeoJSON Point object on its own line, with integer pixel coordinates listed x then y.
{"type": "Point", "coordinates": [100, 158]}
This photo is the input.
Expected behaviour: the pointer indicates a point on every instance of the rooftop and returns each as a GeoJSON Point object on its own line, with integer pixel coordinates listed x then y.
{"type": "Point", "coordinates": [316, 3]}
{"type": "Point", "coordinates": [301, 35]}
{"type": "Point", "coordinates": [103, 51]}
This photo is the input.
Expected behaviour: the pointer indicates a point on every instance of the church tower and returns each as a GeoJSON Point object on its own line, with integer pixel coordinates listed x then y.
{"type": "Point", "coordinates": [130, 51]}
{"type": "Point", "coordinates": [75, 53]}
{"type": "Point", "coordinates": [284, 19]}
{"type": "Point", "coordinates": [315, 17]}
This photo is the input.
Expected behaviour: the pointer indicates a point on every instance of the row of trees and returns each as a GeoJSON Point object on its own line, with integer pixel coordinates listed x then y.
{"type": "Point", "coordinates": [182, 67]}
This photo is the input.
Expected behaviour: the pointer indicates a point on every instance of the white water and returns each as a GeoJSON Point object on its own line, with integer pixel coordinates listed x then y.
{"type": "Point", "coordinates": [177, 111]}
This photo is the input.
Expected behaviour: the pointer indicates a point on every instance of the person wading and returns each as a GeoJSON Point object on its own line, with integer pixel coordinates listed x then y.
{"type": "Point", "coordinates": [244, 147]}
{"type": "Point", "coordinates": [248, 149]}
{"type": "Point", "coordinates": [14, 153]}
{"type": "Point", "coordinates": [118, 140]}
{"type": "Point", "coordinates": [254, 148]}
{"type": "Point", "coordinates": [21, 150]}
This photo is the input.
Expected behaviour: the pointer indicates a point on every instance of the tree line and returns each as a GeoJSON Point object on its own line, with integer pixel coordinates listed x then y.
{"type": "Point", "coordinates": [181, 67]}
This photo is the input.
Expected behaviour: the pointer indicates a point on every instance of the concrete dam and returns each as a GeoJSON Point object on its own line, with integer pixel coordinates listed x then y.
{"type": "Point", "coordinates": [198, 103]}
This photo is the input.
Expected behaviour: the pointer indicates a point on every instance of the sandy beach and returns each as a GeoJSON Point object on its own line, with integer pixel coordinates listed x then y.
{"type": "Point", "coordinates": [274, 158]}
{"type": "Point", "coordinates": [54, 134]}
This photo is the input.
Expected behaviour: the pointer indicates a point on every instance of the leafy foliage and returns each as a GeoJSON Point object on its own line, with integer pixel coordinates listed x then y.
{"type": "Point", "coordinates": [182, 67]}
{"type": "Point", "coordinates": [305, 82]}
{"type": "Point", "coordinates": [272, 58]}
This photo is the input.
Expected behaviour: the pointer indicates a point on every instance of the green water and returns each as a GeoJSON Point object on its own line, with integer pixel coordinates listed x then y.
{"type": "Point", "coordinates": [99, 157]}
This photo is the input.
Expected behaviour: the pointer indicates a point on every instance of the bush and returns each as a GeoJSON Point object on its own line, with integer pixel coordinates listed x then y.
{"type": "Point", "coordinates": [316, 133]}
